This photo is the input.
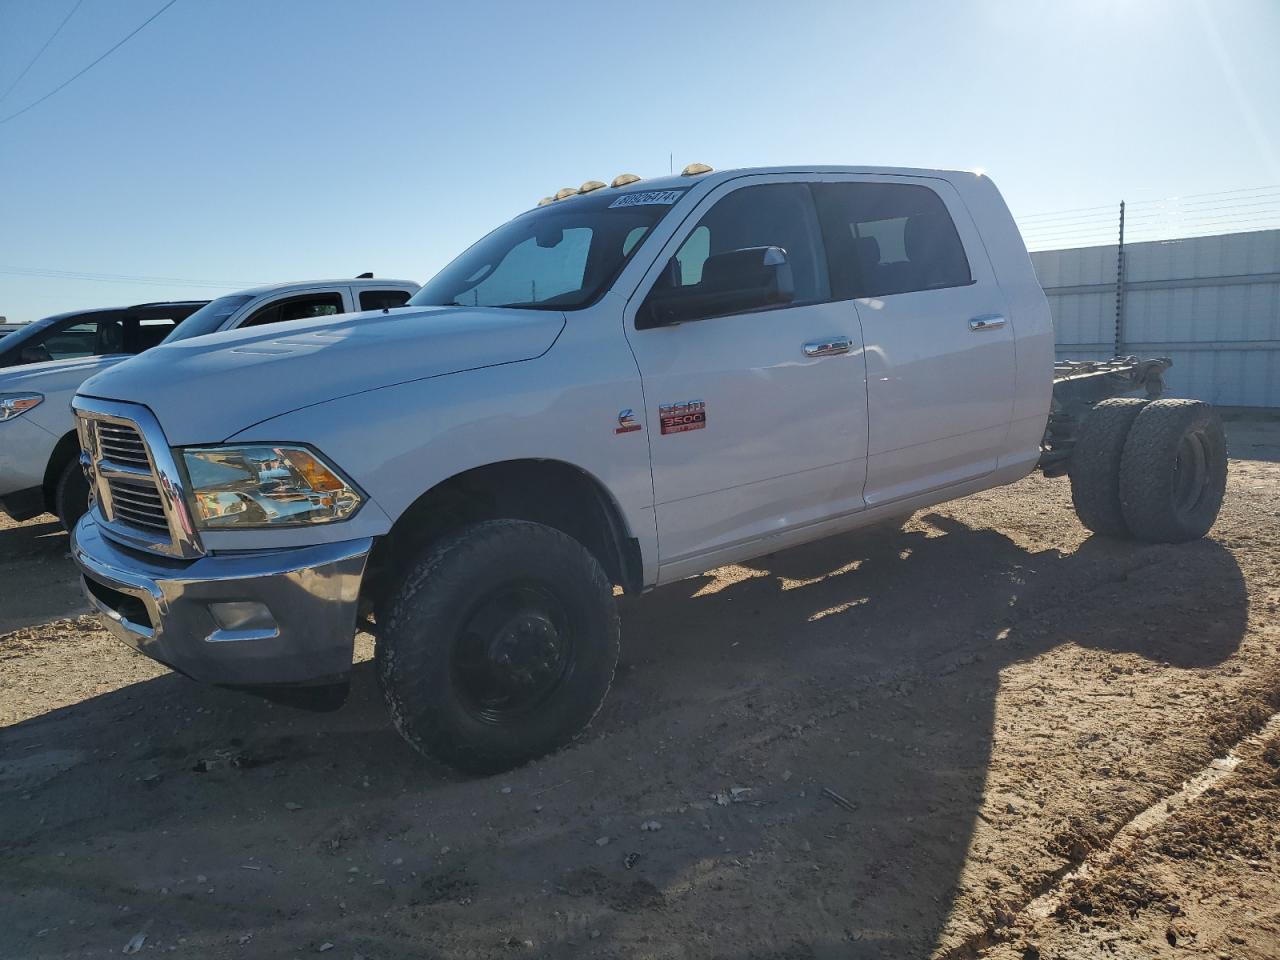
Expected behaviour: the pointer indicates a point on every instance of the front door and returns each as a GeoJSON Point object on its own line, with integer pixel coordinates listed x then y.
{"type": "Point", "coordinates": [756, 418]}
{"type": "Point", "coordinates": [939, 347]}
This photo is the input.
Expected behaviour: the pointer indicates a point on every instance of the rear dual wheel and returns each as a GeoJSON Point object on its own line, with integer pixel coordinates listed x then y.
{"type": "Point", "coordinates": [1173, 474]}
{"type": "Point", "coordinates": [1150, 470]}
{"type": "Point", "coordinates": [1094, 467]}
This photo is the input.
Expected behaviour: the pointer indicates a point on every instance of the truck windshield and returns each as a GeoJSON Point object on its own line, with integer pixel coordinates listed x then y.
{"type": "Point", "coordinates": [209, 318]}
{"type": "Point", "coordinates": [556, 257]}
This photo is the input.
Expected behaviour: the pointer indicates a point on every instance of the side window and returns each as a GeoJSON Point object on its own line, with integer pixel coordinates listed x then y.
{"type": "Point", "coordinates": [634, 236]}
{"type": "Point", "coordinates": [297, 308]}
{"type": "Point", "coordinates": [78, 340]}
{"type": "Point", "coordinates": [382, 299]}
{"type": "Point", "coordinates": [147, 332]}
{"type": "Point", "coordinates": [728, 247]}
{"type": "Point", "coordinates": [693, 254]}
{"type": "Point", "coordinates": [887, 238]}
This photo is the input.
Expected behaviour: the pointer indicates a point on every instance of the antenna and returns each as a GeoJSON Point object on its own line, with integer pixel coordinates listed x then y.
{"type": "Point", "coordinates": [671, 163]}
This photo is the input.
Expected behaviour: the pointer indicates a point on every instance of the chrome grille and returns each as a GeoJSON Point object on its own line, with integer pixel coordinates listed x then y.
{"type": "Point", "coordinates": [121, 444]}
{"type": "Point", "coordinates": [139, 490]}
{"type": "Point", "coordinates": [132, 495]}
{"type": "Point", "coordinates": [137, 503]}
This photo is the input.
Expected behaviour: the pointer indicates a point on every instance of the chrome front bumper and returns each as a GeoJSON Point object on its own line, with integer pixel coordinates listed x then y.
{"type": "Point", "coordinates": [250, 619]}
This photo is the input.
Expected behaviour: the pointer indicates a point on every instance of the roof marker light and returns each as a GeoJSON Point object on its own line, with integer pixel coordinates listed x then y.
{"type": "Point", "coordinates": [591, 185]}
{"type": "Point", "coordinates": [622, 179]}
{"type": "Point", "coordinates": [565, 192]}
{"type": "Point", "coordinates": [693, 169]}
{"type": "Point", "coordinates": [544, 201]}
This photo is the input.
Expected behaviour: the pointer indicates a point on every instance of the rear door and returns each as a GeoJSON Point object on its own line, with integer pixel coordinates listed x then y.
{"type": "Point", "coordinates": [939, 350]}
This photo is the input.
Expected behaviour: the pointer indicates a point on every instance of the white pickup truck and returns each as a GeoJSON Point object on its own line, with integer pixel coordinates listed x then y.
{"type": "Point", "coordinates": [626, 385]}
{"type": "Point", "coordinates": [45, 364]}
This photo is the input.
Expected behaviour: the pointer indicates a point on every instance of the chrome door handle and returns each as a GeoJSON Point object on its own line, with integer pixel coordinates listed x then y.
{"type": "Point", "coordinates": [989, 322]}
{"type": "Point", "coordinates": [827, 348]}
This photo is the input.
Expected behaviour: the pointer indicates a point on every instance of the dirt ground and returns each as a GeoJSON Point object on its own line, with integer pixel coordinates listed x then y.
{"type": "Point", "coordinates": [899, 744]}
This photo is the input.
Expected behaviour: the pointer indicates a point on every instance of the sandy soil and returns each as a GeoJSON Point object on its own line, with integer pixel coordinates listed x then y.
{"type": "Point", "coordinates": [883, 745]}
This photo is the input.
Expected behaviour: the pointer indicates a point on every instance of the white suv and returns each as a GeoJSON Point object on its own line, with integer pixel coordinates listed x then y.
{"type": "Point", "coordinates": [39, 455]}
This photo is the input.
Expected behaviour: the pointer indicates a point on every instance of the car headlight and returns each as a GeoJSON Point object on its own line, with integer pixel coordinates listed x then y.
{"type": "Point", "coordinates": [265, 485]}
{"type": "Point", "coordinates": [16, 404]}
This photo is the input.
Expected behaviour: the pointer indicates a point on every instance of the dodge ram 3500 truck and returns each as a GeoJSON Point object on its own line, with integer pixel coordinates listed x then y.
{"type": "Point", "coordinates": [625, 385]}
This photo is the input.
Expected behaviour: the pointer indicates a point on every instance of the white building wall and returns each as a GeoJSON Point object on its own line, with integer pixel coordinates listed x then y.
{"type": "Point", "coordinates": [1212, 304]}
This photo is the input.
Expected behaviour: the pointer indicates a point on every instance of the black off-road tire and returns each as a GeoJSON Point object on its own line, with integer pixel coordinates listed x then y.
{"type": "Point", "coordinates": [1094, 467]}
{"type": "Point", "coordinates": [1174, 471]}
{"type": "Point", "coordinates": [427, 616]}
{"type": "Point", "coordinates": [71, 495]}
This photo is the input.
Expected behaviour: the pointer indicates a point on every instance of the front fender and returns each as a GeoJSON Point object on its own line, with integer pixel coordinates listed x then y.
{"type": "Point", "coordinates": [400, 441]}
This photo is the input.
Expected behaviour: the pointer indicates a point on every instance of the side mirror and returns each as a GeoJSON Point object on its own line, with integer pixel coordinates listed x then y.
{"type": "Point", "coordinates": [37, 354]}
{"type": "Point", "coordinates": [737, 281]}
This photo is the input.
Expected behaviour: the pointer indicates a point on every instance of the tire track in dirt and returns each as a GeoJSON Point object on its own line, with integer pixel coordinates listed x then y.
{"type": "Point", "coordinates": [1054, 887]}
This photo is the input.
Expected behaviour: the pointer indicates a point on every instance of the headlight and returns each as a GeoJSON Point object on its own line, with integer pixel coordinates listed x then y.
{"type": "Point", "coordinates": [16, 404]}
{"type": "Point", "coordinates": [265, 485]}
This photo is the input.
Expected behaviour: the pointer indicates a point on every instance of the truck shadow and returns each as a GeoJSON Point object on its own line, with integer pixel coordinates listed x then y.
{"type": "Point", "coordinates": [865, 665]}
{"type": "Point", "coordinates": [37, 580]}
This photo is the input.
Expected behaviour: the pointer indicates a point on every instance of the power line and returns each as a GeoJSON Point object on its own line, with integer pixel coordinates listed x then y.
{"type": "Point", "coordinates": [1055, 213]}
{"type": "Point", "coordinates": [39, 53]}
{"type": "Point", "coordinates": [123, 278]}
{"type": "Point", "coordinates": [138, 29]}
{"type": "Point", "coordinates": [1218, 193]}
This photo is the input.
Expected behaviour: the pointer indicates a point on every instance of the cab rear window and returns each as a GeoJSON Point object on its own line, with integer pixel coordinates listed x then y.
{"type": "Point", "coordinates": [382, 299]}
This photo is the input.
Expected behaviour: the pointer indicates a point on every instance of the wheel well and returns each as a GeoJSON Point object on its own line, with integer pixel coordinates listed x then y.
{"type": "Point", "coordinates": [66, 450]}
{"type": "Point", "coordinates": [542, 491]}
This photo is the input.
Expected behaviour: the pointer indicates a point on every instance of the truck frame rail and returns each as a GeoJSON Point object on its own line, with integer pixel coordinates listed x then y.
{"type": "Point", "coordinates": [1078, 385]}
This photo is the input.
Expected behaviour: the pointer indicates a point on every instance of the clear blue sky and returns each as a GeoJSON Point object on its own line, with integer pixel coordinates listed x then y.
{"type": "Point", "coordinates": [239, 140]}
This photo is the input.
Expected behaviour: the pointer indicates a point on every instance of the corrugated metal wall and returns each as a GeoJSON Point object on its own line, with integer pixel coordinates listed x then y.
{"type": "Point", "coordinates": [1212, 304]}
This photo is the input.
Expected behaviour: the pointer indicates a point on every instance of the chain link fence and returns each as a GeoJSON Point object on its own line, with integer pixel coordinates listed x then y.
{"type": "Point", "coordinates": [1196, 279]}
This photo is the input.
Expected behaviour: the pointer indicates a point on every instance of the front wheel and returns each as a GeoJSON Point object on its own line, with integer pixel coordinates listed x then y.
{"type": "Point", "coordinates": [71, 495]}
{"type": "Point", "coordinates": [500, 645]}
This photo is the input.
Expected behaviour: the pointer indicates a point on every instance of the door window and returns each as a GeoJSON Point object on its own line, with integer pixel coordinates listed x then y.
{"type": "Point", "coordinates": [769, 215]}
{"type": "Point", "coordinates": [887, 238]}
{"type": "Point", "coordinates": [78, 340]}
{"type": "Point", "coordinates": [148, 332]}
{"type": "Point", "coordinates": [297, 308]}
{"type": "Point", "coordinates": [383, 299]}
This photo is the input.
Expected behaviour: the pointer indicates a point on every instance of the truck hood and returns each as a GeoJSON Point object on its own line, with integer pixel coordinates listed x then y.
{"type": "Point", "coordinates": [206, 389]}
{"type": "Point", "coordinates": [54, 375]}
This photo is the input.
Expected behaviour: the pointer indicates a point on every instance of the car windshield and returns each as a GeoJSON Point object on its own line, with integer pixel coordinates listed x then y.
{"type": "Point", "coordinates": [209, 318]}
{"type": "Point", "coordinates": [560, 256]}
{"type": "Point", "coordinates": [17, 339]}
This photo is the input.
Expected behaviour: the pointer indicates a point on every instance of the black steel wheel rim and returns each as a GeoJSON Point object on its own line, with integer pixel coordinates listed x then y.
{"type": "Point", "coordinates": [513, 652]}
{"type": "Point", "coordinates": [1190, 473]}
